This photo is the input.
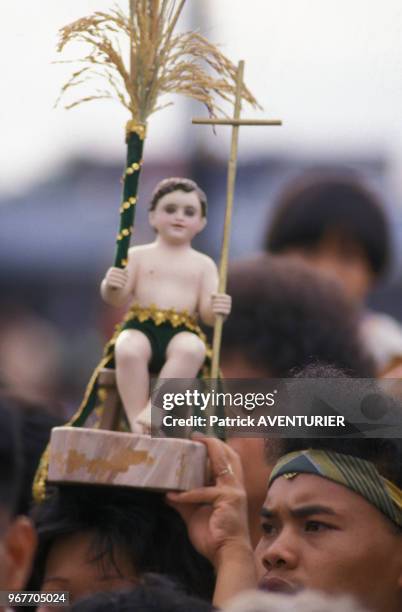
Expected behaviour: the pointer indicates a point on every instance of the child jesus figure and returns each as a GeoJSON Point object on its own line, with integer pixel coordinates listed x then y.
{"type": "Point", "coordinates": [168, 284]}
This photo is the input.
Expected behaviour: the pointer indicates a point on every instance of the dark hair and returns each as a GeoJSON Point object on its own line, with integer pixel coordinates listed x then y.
{"type": "Point", "coordinates": [137, 522]}
{"type": "Point", "coordinates": [384, 453]}
{"type": "Point", "coordinates": [314, 205]}
{"type": "Point", "coordinates": [35, 423]}
{"type": "Point", "coordinates": [285, 315]}
{"type": "Point", "coordinates": [153, 593]}
{"type": "Point", "coordinates": [178, 184]}
{"type": "Point", "coordinates": [10, 457]}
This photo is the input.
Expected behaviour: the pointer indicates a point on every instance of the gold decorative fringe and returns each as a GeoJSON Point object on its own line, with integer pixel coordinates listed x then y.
{"type": "Point", "coordinates": [159, 316]}
{"type": "Point", "coordinates": [39, 483]}
{"type": "Point", "coordinates": [137, 128]}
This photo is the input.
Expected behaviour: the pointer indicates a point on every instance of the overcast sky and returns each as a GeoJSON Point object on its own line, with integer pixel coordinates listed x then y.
{"type": "Point", "coordinates": [331, 69]}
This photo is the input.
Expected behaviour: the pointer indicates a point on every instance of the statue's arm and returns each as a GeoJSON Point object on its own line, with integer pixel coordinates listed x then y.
{"type": "Point", "coordinates": [212, 303]}
{"type": "Point", "coordinates": [119, 283]}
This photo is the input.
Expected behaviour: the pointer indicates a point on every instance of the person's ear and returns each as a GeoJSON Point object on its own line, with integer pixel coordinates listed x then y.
{"type": "Point", "coordinates": [20, 545]}
{"type": "Point", "coordinates": [203, 223]}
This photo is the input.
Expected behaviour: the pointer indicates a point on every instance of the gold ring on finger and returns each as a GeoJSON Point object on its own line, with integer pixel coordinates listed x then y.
{"type": "Point", "coordinates": [227, 470]}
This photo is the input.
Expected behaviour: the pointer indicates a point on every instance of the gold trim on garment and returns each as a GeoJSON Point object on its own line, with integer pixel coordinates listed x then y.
{"type": "Point", "coordinates": [160, 315]}
{"type": "Point", "coordinates": [137, 128]}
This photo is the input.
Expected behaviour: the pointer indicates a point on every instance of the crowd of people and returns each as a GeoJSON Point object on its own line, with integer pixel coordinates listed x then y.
{"type": "Point", "coordinates": [294, 524]}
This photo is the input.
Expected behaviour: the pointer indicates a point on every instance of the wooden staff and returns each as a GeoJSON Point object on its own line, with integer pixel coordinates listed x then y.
{"type": "Point", "coordinates": [235, 122]}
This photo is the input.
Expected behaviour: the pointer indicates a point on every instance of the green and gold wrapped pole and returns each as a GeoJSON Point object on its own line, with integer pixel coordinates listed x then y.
{"type": "Point", "coordinates": [135, 134]}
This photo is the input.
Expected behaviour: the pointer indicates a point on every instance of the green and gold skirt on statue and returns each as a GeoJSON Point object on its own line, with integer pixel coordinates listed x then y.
{"type": "Point", "coordinates": [160, 326]}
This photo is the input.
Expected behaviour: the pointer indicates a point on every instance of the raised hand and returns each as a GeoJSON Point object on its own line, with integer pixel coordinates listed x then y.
{"type": "Point", "coordinates": [216, 518]}
{"type": "Point", "coordinates": [225, 517]}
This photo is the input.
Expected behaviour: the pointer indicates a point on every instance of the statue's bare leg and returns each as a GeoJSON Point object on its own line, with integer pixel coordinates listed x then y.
{"type": "Point", "coordinates": [185, 355]}
{"type": "Point", "coordinates": [132, 355]}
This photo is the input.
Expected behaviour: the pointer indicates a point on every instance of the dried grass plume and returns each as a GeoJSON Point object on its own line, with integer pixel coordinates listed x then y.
{"type": "Point", "coordinates": [161, 61]}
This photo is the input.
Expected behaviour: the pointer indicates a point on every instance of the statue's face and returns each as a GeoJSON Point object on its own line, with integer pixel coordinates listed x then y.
{"type": "Point", "coordinates": [177, 217]}
{"type": "Point", "coordinates": [320, 535]}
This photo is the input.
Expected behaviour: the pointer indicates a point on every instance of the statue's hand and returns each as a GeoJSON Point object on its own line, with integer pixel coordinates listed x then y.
{"type": "Point", "coordinates": [116, 278]}
{"type": "Point", "coordinates": [221, 304]}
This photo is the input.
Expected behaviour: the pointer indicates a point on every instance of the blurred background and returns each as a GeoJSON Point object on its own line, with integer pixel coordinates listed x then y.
{"type": "Point", "coordinates": [330, 70]}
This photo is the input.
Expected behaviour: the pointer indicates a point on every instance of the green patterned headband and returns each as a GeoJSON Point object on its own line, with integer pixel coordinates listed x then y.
{"type": "Point", "coordinates": [357, 474]}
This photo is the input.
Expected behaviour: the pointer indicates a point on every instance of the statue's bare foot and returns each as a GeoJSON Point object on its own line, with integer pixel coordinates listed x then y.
{"type": "Point", "coordinates": [145, 417]}
{"type": "Point", "coordinates": [140, 428]}
{"type": "Point", "coordinates": [150, 419]}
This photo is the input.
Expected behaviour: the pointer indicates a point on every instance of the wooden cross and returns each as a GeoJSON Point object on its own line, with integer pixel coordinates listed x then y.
{"type": "Point", "coordinates": [236, 122]}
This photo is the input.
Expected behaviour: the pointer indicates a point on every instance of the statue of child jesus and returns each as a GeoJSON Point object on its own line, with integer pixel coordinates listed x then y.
{"type": "Point", "coordinates": [169, 284]}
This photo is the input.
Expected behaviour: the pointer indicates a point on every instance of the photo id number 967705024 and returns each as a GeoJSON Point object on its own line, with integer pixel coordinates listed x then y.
{"type": "Point", "coordinates": [34, 598]}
